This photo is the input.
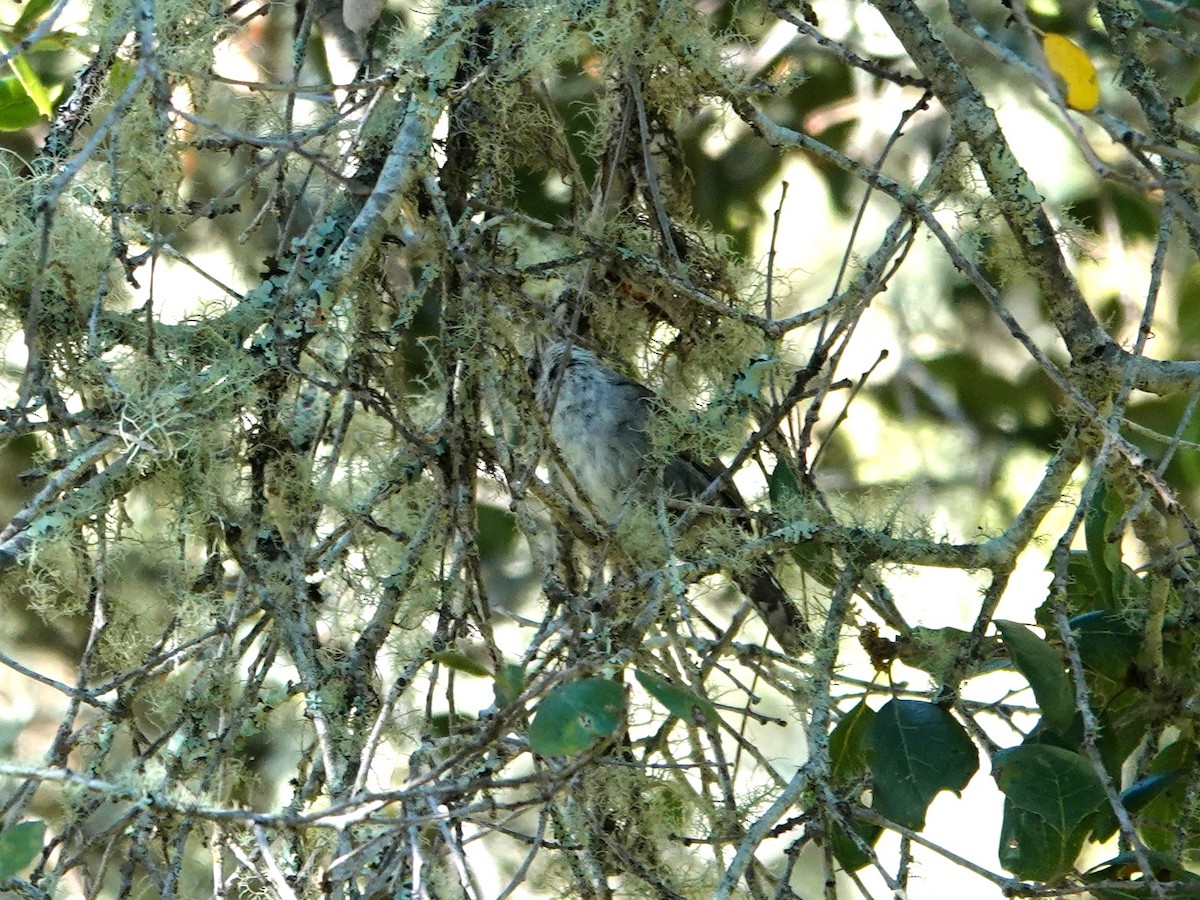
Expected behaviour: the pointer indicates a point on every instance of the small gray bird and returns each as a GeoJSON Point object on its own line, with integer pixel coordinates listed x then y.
{"type": "Point", "coordinates": [598, 421]}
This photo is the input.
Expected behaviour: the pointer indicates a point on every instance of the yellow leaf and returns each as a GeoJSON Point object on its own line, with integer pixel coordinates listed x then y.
{"type": "Point", "coordinates": [1068, 61]}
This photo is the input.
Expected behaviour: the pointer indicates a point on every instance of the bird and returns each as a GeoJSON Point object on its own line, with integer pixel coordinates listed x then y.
{"type": "Point", "coordinates": [599, 422]}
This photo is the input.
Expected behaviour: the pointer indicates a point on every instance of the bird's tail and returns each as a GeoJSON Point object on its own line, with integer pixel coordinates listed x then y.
{"type": "Point", "coordinates": [779, 612]}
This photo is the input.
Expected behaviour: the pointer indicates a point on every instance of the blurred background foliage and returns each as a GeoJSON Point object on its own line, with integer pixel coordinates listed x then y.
{"type": "Point", "coordinates": [950, 430]}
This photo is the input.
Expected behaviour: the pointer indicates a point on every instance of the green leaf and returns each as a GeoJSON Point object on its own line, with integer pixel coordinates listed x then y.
{"type": "Point", "coordinates": [1052, 796]}
{"type": "Point", "coordinates": [677, 700]}
{"type": "Point", "coordinates": [1193, 93]}
{"type": "Point", "coordinates": [846, 850]}
{"type": "Point", "coordinates": [497, 531]}
{"type": "Point", "coordinates": [1134, 798]}
{"type": "Point", "coordinates": [1160, 817]}
{"type": "Point", "coordinates": [1082, 594]}
{"type": "Point", "coordinates": [916, 750]}
{"type": "Point", "coordinates": [510, 682]}
{"type": "Point", "coordinates": [1123, 720]}
{"type": "Point", "coordinates": [1107, 643]}
{"type": "Point", "coordinates": [460, 662]}
{"type": "Point", "coordinates": [572, 717]}
{"type": "Point", "coordinates": [848, 759]}
{"type": "Point", "coordinates": [31, 16]}
{"type": "Point", "coordinates": [443, 724]}
{"type": "Point", "coordinates": [19, 845]}
{"type": "Point", "coordinates": [17, 110]}
{"type": "Point", "coordinates": [1056, 785]}
{"type": "Point", "coordinates": [1070, 740]}
{"type": "Point", "coordinates": [1156, 14]}
{"type": "Point", "coordinates": [1043, 669]}
{"type": "Point", "coordinates": [781, 486]}
{"type": "Point", "coordinates": [1033, 849]}
{"type": "Point", "coordinates": [30, 82]}
{"type": "Point", "coordinates": [847, 744]}
{"type": "Point", "coordinates": [812, 557]}
{"type": "Point", "coordinates": [1104, 513]}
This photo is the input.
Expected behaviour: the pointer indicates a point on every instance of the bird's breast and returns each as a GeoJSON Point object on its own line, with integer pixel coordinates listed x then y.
{"type": "Point", "coordinates": [599, 425]}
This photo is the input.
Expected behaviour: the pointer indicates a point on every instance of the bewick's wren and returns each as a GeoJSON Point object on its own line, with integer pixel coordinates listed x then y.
{"type": "Point", "coordinates": [598, 421]}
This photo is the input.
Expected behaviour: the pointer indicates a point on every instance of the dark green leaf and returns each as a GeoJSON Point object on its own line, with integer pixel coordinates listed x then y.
{"type": "Point", "coordinates": [460, 662]}
{"type": "Point", "coordinates": [782, 486]}
{"type": "Point", "coordinates": [848, 759]}
{"type": "Point", "coordinates": [571, 717]}
{"type": "Point", "coordinates": [1083, 594]}
{"type": "Point", "coordinates": [847, 751]}
{"type": "Point", "coordinates": [677, 700]}
{"type": "Point", "coordinates": [1134, 588]}
{"type": "Point", "coordinates": [1071, 739]}
{"type": "Point", "coordinates": [1123, 719]}
{"type": "Point", "coordinates": [510, 681]}
{"type": "Point", "coordinates": [1181, 647]}
{"type": "Point", "coordinates": [1107, 643]}
{"type": "Point", "coordinates": [1052, 798]}
{"type": "Point", "coordinates": [17, 110]}
{"type": "Point", "coordinates": [811, 556]}
{"type": "Point", "coordinates": [497, 534]}
{"type": "Point", "coordinates": [916, 750]}
{"type": "Point", "coordinates": [1159, 819]}
{"type": "Point", "coordinates": [443, 724]}
{"type": "Point", "coordinates": [1133, 798]}
{"type": "Point", "coordinates": [1056, 785]}
{"type": "Point", "coordinates": [1043, 669]}
{"type": "Point", "coordinates": [1104, 513]}
{"type": "Point", "coordinates": [19, 845]}
{"type": "Point", "coordinates": [1033, 849]}
{"type": "Point", "coordinates": [846, 850]}
{"type": "Point", "coordinates": [1156, 15]}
